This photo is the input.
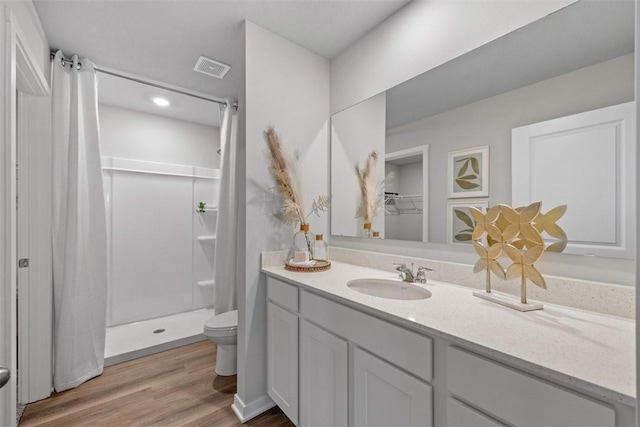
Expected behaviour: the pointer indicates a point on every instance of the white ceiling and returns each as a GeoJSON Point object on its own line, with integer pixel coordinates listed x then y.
{"type": "Point", "coordinates": [161, 40]}
{"type": "Point", "coordinates": [582, 34]}
{"type": "Point", "coordinates": [123, 93]}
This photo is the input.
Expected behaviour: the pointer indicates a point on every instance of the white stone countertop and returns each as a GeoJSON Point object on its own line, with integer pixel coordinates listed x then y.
{"type": "Point", "coordinates": [590, 351]}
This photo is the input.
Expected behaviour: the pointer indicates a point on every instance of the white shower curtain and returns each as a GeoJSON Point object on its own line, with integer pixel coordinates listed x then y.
{"type": "Point", "coordinates": [79, 226]}
{"type": "Point", "coordinates": [224, 293]}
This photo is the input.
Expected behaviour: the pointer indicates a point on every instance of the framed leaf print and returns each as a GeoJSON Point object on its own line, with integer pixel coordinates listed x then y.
{"type": "Point", "coordinates": [460, 223]}
{"type": "Point", "coordinates": [468, 173]}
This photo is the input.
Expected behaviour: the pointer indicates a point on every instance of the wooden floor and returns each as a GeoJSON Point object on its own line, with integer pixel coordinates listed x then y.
{"type": "Point", "coordinates": [175, 388]}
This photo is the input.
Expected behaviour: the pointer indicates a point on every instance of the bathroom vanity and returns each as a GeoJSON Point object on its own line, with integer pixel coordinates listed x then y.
{"type": "Point", "coordinates": [339, 357]}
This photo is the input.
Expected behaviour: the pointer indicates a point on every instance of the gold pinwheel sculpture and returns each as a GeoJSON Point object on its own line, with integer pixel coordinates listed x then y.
{"type": "Point", "coordinates": [488, 262]}
{"type": "Point", "coordinates": [543, 223]}
{"type": "Point", "coordinates": [521, 223]}
{"type": "Point", "coordinates": [485, 225]}
{"type": "Point", "coordinates": [518, 233]}
{"type": "Point", "coordinates": [523, 268]}
{"type": "Point", "coordinates": [548, 223]}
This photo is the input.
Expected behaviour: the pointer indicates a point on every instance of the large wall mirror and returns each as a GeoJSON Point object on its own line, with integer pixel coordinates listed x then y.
{"type": "Point", "coordinates": [456, 123]}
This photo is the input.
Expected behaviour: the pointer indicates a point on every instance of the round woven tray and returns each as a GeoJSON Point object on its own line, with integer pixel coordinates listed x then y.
{"type": "Point", "coordinates": [320, 266]}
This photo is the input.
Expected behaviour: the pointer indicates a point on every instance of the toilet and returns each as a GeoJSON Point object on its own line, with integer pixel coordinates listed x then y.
{"type": "Point", "coordinates": [222, 329]}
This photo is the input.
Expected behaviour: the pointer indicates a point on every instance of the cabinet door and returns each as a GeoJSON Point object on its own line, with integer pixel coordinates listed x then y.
{"type": "Point", "coordinates": [282, 347]}
{"type": "Point", "coordinates": [323, 377]}
{"type": "Point", "coordinates": [386, 396]}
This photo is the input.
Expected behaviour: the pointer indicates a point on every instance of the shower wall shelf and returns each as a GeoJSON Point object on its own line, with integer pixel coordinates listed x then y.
{"type": "Point", "coordinates": [207, 210]}
{"type": "Point", "coordinates": [210, 239]}
{"type": "Point", "coordinates": [396, 204]}
{"type": "Point", "coordinates": [139, 166]}
{"type": "Point", "coordinates": [206, 283]}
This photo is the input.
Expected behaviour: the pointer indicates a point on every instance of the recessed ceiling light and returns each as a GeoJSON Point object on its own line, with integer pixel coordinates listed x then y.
{"type": "Point", "coordinates": [161, 102]}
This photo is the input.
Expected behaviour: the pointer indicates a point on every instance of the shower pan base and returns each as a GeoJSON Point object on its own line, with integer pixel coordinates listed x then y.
{"type": "Point", "coordinates": [134, 340]}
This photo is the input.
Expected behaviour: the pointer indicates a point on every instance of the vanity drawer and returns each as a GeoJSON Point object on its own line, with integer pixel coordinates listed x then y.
{"type": "Point", "coordinates": [518, 398]}
{"type": "Point", "coordinates": [282, 293]}
{"type": "Point", "coordinates": [397, 345]}
{"type": "Point", "coordinates": [461, 415]}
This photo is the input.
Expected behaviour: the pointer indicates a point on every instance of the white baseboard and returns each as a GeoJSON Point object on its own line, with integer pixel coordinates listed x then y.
{"type": "Point", "coordinates": [245, 412]}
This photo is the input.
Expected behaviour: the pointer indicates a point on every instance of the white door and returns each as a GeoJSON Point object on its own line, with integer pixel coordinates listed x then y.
{"type": "Point", "coordinates": [34, 280]}
{"type": "Point", "coordinates": [22, 71]}
{"type": "Point", "coordinates": [323, 377]}
{"type": "Point", "coordinates": [282, 359]}
{"type": "Point", "coordinates": [386, 396]}
{"type": "Point", "coordinates": [585, 161]}
{"type": "Point", "coordinates": [22, 229]}
{"type": "Point", "coordinates": [8, 276]}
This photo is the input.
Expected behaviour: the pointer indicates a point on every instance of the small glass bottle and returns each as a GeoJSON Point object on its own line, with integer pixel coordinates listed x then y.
{"type": "Point", "coordinates": [320, 252]}
{"type": "Point", "coordinates": [375, 234]}
{"type": "Point", "coordinates": [366, 230]}
{"type": "Point", "coordinates": [303, 240]}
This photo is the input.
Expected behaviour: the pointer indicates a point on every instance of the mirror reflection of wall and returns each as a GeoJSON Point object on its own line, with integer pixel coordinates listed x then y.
{"type": "Point", "coordinates": [575, 60]}
{"type": "Point", "coordinates": [355, 133]}
{"type": "Point", "coordinates": [584, 161]}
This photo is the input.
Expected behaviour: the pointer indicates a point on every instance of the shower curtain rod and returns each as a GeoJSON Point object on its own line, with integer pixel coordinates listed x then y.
{"type": "Point", "coordinates": [99, 69]}
{"type": "Point", "coordinates": [133, 79]}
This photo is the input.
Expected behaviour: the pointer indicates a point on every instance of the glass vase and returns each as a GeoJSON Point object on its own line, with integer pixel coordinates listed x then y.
{"type": "Point", "coordinates": [303, 240]}
{"type": "Point", "coordinates": [366, 230]}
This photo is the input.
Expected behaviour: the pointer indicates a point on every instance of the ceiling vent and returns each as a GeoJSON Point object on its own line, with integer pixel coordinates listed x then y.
{"type": "Point", "coordinates": [211, 68]}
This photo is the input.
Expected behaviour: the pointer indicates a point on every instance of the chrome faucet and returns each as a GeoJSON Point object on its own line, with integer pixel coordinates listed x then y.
{"type": "Point", "coordinates": [406, 273]}
{"type": "Point", "coordinates": [421, 276]}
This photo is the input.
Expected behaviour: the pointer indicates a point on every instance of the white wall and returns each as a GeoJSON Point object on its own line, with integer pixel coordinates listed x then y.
{"type": "Point", "coordinates": [285, 86]}
{"type": "Point", "coordinates": [156, 258]}
{"type": "Point", "coordinates": [489, 122]}
{"type": "Point", "coordinates": [421, 36]}
{"type": "Point", "coordinates": [136, 135]}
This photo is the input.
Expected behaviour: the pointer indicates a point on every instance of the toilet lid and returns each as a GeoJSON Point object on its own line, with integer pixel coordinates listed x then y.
{"type": "Point", "coordinates": [228, 320]}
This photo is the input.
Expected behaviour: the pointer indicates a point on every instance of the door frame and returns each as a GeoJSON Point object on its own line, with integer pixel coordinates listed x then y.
{"type": "Point", "coordinates": [21, 72]}
{"type": "Point", "coordinates": [420, 150]}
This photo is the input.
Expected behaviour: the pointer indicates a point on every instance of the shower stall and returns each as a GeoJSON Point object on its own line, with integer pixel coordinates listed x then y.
{"type": "Point", "coordinates": [161, 255]}
{"type": "Point", "coordinates": [161, 183]}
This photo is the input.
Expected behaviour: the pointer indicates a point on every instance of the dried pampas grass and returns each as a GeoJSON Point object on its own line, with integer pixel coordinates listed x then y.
{"type": "Point", "coordinates": [284, 172]}
{"type": "Point", "coordinates": [371, 193]}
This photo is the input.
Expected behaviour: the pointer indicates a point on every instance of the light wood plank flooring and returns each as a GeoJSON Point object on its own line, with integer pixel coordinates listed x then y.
{"type": "Point", "coordinates": [175, 388]}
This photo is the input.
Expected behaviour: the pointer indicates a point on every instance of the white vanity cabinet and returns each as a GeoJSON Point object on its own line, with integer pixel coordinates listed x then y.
{"type": "Point", "coordinates": [390, 365]}
{"type": "Point", "coordinates": [386, 383]}
{"type": "Point", "coordinates": [323, 377]}
{"type": "Point", "coordinates": [307, 366]}
{"type": "Point", "coordinates": [332, 364]}
{"type": "Point", "coordinates": [384, 395]}
{"type": "Point", "coordinates": [282, 359]}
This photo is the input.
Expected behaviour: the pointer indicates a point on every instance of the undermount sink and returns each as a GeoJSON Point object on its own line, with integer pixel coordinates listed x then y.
{"type": "Point", "coordinates": [390, 289]}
